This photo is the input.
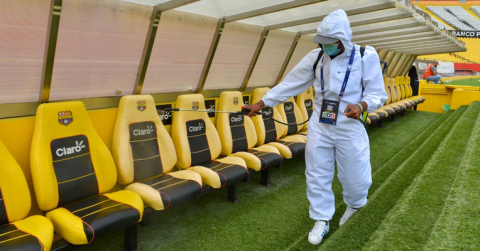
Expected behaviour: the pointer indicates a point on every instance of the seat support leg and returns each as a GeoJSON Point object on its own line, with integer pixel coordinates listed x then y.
{"type": "Point", "coordinates": [265, 177]}
{"type": "Point", "coordinates": [403, 113]}
{"type": "Point", "coordinates": [392, 118]}
{"type": "Point", "coordinates": [247, 179]}
{"type": "Point", "coordinates": [380, 124]}
{"type": "Point", "coordinates": [279, 166]}
{"type": "Point", "coordinates": [232, 193]}
{"type": "Point", "coordinates": [415, 108]}
{"type": "Point", "coordinates": [147, 215]}
{"type": "Point", "coordinates": [130, 238]}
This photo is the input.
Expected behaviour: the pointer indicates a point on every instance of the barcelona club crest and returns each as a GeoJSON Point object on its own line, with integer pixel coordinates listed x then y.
{"type": "Point", "coordinates": [195, 105]}
{"type": "Point", "coordinates": [235, 100]}
{"type": "Point", "coordinates": [65, 118]}
{"type": "Point", "coordinates": [141, 105]}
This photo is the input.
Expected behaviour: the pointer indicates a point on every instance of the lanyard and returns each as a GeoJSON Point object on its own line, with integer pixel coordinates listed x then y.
{"type": "Point", "coordinates": [347, 75]}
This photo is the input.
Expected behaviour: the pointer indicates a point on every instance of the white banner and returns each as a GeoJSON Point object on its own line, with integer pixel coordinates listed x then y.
{"type": "Point", "coordinates": [442, 67]}
{"type": "Point", "coordinates": [446, 67]}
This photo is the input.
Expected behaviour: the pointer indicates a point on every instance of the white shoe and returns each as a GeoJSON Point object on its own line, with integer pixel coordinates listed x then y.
{"type": "Point", "coordinates": [348, 213]}
{"type": "Point", "coordinates": [318, 232]}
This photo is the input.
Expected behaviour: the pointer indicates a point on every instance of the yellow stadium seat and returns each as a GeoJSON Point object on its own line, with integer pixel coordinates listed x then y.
{"type": "Point", "coordinates": [392, 104]}
{"type": "Point", "coordinates": [16, 231]}
{"type": "Point", "coordinates": [238, 137]}
{"type": "Point", "coordinates": [386, 108]}
{"type": "Point", "coordinates": [385, 111]}
{"type": "Point", "coordinates": [417, 99]}
{"type": "Point", "coordinates": [197, 144]}
{"type": "Point", "coordinates": [408, 91]}
{"type": "Point", "coordinates": [270, 132]}
{"type": "Point", "coordinates": [407, 86]}
{"type": "Point", "coordinates": [305, 104]}
{"type": "Point", "coordinates": [401, 93]}
{"type": "Point", "coordinates": [291, 115]}
{"type": "Point", "coordinates": [144, 154]}
{"type": "Point", "coordinates": [396, 96]}
{"type": "Point", "coordinates": [399, 81]}
{"type": "Point", "coordinates": [379, 114]}
{"type": "Point", "coordinates": [400, 86]}
{"type": "Point", "coordinates": [392, 96]}
{"type": "Point", "coordinates": [72, 169]}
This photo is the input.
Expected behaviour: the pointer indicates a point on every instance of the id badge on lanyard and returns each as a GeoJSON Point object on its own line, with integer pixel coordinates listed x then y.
{"type": "Point", "coordinates": [329, 112]}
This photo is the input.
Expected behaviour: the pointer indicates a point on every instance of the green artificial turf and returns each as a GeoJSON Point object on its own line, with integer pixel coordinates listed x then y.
{"type": "Point", "coordinates": [358, 230]}
{"type": "Point", "coordinates": [409, 224]}
{"type": "Point", "coordinates": [465, 82]}
{"type": "Point", "coordinates": [458, 226]}
{"type": "Point", "coordinates": [396, 141]}
{"type": "Point", "coordinates": [274, 218]}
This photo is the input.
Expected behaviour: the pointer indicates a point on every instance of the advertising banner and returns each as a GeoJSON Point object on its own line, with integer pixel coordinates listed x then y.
{"type": "Point", "coordinates": [443, 67]}
{"type": "Point", "coordinates": [471, 34]}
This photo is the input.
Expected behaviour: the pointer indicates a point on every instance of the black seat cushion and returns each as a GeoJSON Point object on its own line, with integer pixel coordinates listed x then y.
{"type": "Point", "coordinates": [382, 114]}
{"type": "Point", "coordinates": [372, 118]}
{"type": "Point", "coordinates": [415, 101]}
{"type": "Point", "coordinates": [290, 115]}
{"type": "Point", "coordinates": [229, 174]}
{"type": "Point", "coordinates": [174, 191]}
{"type": "Point", "coordinates": [145, 150]}
{"type": "Point", "coordinates": [401, 105]}
{"type": "Point", "coordinates": [295, 147]}
{"type": "Point", "coordinates": [11, 238]}
{"type": "Point", "coordinates": [390, 112]}
{"type": "Point", "coordinates": [397, 109]}
{"type": "Point", "coordinates": [102, 215]}
{"type": "Point", "coordinates": [267, 159]}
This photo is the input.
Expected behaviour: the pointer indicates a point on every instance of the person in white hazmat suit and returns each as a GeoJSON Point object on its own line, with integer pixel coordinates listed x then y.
{"type": "Point", "coordinates": [351, 84]}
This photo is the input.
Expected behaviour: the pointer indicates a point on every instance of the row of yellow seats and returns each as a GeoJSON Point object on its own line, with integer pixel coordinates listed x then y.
{"type": "Point", "coordinates": [400, 97]}
{"type": "Point", "coordinates": [295, 110]}
{"type": "Point", "coordinates": [72, 169]}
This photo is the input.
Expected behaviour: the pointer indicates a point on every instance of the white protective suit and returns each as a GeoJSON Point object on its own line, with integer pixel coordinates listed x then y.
{"type": "Point", "coordinates": [346, 142]}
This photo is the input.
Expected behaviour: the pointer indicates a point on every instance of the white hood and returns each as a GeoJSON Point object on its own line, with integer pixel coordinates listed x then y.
{"type": "Point", "coordinates": [336, 25]}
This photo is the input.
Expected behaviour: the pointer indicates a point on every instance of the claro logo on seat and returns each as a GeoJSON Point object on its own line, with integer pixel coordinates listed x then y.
{"type": "Point", "coordinates": [288, 107]}
{"type": "Point", "coordinates": [196, 128]}
{"type": "Point", "coordinates": [146, 130]}
{"type": "Point", "coordinates": [268, 112]}
{"type": "Point", "coordinates": [308, 103]}
{"type": "Point", "coordinates": [140, 132]}
{"type": "Point", "coordinates": [211, 109]}
{"type": "Point", "coordinates": [70, 150]}
{"type": "Point", "coordinates": [236, 119]}
{"type": "Point", "coordinates": [165, 116]}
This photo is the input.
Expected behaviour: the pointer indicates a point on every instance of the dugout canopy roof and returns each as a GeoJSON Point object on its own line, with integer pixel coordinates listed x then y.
{"type": "Point", "coordinates": [384, 24]}
{"type": "Point", "coordinates": [98, 50]}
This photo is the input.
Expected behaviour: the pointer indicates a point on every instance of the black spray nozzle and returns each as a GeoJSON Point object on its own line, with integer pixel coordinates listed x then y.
{"type": "Point", "coordinates": [246, 110]}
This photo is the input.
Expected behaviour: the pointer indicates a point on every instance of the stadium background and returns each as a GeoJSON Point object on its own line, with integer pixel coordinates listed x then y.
{"type": "Point", "coordinates": [424, 162]}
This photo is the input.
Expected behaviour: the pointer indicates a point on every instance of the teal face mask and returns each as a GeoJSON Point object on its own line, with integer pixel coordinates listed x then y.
{"type": "Point", "coordinates": [331, 49]}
